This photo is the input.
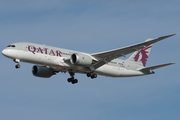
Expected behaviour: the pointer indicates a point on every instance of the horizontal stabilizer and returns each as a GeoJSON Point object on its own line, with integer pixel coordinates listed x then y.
{"type": "Point", "coordinates": [156, 67]}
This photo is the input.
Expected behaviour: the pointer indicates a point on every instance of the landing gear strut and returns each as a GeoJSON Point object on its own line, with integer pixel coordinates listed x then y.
{"type": "Point", "coordinates": [92, 75]}
{"type": "Point", "coordinates": [72, 80]}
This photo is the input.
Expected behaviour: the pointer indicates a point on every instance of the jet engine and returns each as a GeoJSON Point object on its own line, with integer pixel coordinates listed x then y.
{"type": "Point", "coordinates": [42, 71]}
{"type": "Point", "coordinates": [81, 59]}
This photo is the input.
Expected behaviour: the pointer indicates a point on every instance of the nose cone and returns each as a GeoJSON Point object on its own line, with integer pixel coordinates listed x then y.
{"type": "Point", "coordinates": [5, 52]}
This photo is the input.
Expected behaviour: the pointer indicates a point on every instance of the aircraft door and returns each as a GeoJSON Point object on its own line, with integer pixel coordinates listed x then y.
{"type": "Point", "coordinates": [25, 47]}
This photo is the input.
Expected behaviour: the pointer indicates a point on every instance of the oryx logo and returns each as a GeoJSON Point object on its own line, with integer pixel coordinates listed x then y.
{"type": "Point", "coordinates": [143, 55]}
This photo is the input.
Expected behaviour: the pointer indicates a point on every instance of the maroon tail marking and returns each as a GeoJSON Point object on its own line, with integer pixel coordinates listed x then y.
{"type": "Point", "coordinates": [144, 55]}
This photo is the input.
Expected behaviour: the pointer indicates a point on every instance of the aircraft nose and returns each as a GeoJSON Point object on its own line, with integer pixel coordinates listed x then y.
{"type": "Point", "coordinates": [5, 52]}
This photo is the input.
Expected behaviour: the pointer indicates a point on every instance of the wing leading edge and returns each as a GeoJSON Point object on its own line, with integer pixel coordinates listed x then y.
{"type": "Point", "coordinates": [107, 56]}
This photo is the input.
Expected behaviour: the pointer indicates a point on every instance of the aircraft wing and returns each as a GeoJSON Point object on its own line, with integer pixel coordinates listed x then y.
{"type": "Point", "coordinates": [107, 56]}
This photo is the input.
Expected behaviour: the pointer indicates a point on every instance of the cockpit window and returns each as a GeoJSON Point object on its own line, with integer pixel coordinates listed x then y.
{"type": "Point", "coordinates": [11, 46]}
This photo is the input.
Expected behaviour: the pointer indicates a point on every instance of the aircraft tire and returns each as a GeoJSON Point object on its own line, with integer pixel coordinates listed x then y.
{"type": "Point", "coordinates": [69, 79]}
{"type": "Point", "coordinates": [88, 75]}
{"type": "Point", "coordinates": [94, 76]}
{"type": "Point", "coordinates": [17, 66]}
{"type": "Point", "coordinates": [74, 81]}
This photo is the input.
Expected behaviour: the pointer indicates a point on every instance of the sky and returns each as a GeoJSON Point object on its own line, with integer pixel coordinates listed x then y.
{"type": "Point", "coordinates": [90, 26]}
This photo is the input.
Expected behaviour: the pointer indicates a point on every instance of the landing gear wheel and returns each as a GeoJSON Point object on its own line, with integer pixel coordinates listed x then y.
{"type": "Point", "coordinates": [74, 81]}
{"type": "Point", "coordinates": [88, 75]}
{"type": "Point", "coordinates": [69, 79]}
{"type": "Point", "coordinates": [17, 66]}
{"type": "Point", "coordinates": [92, 75]}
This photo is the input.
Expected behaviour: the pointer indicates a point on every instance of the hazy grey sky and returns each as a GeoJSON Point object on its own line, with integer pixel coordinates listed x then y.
{"type": "Point", "coordinates": [91, 26]}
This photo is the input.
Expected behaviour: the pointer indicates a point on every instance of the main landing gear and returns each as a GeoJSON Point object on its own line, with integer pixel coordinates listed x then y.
{"type": "Point", "coordinates": [92, 75]}
{"type": "Point", "coordinates": [72, 80]}
{"type": "Point", "coordinates": [17, 61]}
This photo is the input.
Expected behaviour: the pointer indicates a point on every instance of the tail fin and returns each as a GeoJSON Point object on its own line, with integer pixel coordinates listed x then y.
{"type": "Point", "coordinates": [141, 56]}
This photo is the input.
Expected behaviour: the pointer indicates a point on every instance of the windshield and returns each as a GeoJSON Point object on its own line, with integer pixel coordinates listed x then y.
{"type": "Point", "coordinates": [11, 46]}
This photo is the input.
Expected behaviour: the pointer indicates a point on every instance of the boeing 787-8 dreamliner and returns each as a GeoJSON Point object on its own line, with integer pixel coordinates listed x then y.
{"type": "Point", "coordinates": [51, 60]}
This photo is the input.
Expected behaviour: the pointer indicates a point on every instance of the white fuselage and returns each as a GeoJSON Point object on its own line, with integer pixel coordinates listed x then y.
{"type": "Point", "coordinates": [56, 59]}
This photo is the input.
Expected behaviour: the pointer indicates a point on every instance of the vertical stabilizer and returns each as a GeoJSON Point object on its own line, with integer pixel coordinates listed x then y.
{"type": "Point", "coordinates": [140, 57]}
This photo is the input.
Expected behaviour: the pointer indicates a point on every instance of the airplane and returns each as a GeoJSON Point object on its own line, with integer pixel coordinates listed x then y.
{"type": "Point", "coordinates": [50, 60]}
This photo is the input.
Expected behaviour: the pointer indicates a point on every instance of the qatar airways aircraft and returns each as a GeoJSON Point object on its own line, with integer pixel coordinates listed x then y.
{"type": "Point", "coordinates": [51, 60]}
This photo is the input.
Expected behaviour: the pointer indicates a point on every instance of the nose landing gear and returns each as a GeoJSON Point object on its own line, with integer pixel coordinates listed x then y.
{"type": "Point", "coordinates": [17, 61]}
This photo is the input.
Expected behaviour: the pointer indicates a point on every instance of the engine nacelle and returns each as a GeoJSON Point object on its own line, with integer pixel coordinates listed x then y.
{"type": "Point", "coordinates": [81, 59]}
{"type": "Point", "coordinates": [42, 71]}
